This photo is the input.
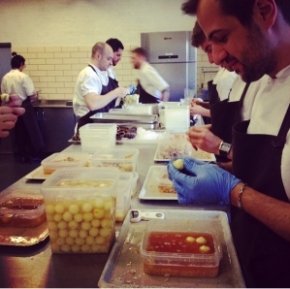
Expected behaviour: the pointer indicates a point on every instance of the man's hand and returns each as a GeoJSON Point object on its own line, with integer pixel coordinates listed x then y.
{"type": "Point", "coordinates": [8, 118]}
{"type": "Point", "coordinates": [14, 101]}
{"type": "Point", "coordinates": [202, 183]}
{"type": "Point", "coordinates": [120, 92]}
{"type": "Point", "coordinates": [204, 139]}
{"type": "Point", "coordinates": [200, 110]}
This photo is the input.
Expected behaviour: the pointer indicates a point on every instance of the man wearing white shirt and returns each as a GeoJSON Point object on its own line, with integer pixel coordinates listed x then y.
{"type": "Point", "coordinates": [95, 91]}
{"type": "Point", "coordinates": [253, 38]}
{"type": "Point", "coordinates": [229, 102]}
{"type": "Point", "coordinates": [29, 142]}
{"type": "Point", "coordinates": [152, 88]}
{"type": "Point", "coordinates": [118, 49]}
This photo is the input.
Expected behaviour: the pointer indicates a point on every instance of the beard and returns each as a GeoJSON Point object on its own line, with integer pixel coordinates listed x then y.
{"type": "Point", "coordinates": [258, 58]}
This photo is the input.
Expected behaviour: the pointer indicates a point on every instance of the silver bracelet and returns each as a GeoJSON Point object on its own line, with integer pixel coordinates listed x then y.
{"type": "Point", "coordinates": [240, 196]}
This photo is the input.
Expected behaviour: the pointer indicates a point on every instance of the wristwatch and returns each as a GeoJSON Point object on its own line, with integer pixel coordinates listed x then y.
{"type": "Point", "coordinates": [224, 149]}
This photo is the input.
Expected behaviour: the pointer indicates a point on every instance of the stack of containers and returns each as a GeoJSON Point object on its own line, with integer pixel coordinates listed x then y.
{"type": "Point", "coordinates": [176, 117]}
{"type": "Point", "coordinates": [80, 205]}
{"type": "Point", "coordinates": [126, 161]}
{"type": "Point", "coordinates": [98, 136]}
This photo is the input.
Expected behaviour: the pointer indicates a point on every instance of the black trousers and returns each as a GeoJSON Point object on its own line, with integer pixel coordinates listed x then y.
{"type": "Point", "coordinates": [28, 139]}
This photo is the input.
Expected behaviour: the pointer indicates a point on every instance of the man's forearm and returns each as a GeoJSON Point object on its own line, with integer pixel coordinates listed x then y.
{"type": "Point", "coordinates": [95, 101]}
{"type": "Point", "coordinates": [271, 212]}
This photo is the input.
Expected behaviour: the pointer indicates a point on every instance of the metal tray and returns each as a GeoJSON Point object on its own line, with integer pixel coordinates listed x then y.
{"type": "Point", "coordinates": [125, 118]}
{"type": "Point", "coordinates": [172, 146]}
{"type": "Point", "coordinates": [150, 190]}
{"type": "Point", "coordinates": [124, 268]}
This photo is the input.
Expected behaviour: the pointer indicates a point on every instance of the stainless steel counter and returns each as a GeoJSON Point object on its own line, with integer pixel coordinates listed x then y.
{"type": "Point", "coordinates": [38, 267]}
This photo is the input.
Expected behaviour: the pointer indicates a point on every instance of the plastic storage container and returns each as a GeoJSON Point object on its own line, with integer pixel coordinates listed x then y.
{"type": "Point", "coordinates": [80, 207]}
{"type": "Point", "coordinates": [98, 136]}
{"type": "Point", "coordinates": [177, 117]}
{"type": "Point", "coordinates": [123, 159]}
{"type": "Point", "coordinates": [142, 109]}
{"type": "Point", "coordinates": [21, 208]}
{"type": "Point", "coordinates": [124, 193]}
{"type": "Point", "coordinates": [65, 160]}
{"type": "Point", "coordinates": [176, 248]}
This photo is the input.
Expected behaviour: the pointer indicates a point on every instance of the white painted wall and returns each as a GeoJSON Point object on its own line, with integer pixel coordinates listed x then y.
{"type": "Point", "coordinates": [56, 36]}
{"type": "Point", "coordinates": [83, 22]}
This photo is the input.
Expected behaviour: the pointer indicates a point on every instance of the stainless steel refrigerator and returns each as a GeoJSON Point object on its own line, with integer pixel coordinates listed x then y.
{"type": "Point", "coordinates": [174, 58]}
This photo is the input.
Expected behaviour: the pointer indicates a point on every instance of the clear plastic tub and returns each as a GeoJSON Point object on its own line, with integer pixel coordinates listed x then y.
{"type": "Point", "coordinates": [123, 159]}
{"type": "Point", "coordinates": [124, 193]}
{"type": "Point", "coordinates": [98, 127]}
{"type": "Point", "coordinates": [98, 136]}
{"type": "Point", "coordinates": [21, 208]}
{"type": "Point", "coordinates": [177, 248]}
{"type": "Point", "coordinates": [80, 207]}
{"type": "Point", "coordinates": [177, 118]}
{"type": "Point", "coordinates": [65, 160]}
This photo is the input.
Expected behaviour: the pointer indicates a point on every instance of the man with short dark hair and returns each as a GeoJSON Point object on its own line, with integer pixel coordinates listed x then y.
{"type": "Point", "coordinates": [29, 142]}
{"type": "Point", "coordinates": [118, 49]}
{"type": "Point", "coordinates": [252, 37]}
{"type": "Point", "coordinates": [152, 88]}
{"type": "Point", "coordinates": [230, 100]}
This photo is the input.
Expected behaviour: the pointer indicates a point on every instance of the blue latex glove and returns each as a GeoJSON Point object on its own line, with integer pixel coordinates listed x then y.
{"type": "Point", "coordinates": [202, 183]}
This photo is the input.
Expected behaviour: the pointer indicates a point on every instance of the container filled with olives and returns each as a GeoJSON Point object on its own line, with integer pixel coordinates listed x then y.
{"type": "Point", "coordinates": [80, 207]}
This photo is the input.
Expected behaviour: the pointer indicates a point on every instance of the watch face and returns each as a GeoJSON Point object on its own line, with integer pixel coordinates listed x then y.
{"type": "Point", "coordinates": [226, 147]}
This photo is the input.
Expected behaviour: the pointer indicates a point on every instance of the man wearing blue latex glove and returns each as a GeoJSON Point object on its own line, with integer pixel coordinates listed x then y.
{"type": "Point", "coordinates": [202, 183]}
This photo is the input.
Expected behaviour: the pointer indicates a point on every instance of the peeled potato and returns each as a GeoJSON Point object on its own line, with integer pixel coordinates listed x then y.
{"type": "Point", "coordinates": [178, 164]}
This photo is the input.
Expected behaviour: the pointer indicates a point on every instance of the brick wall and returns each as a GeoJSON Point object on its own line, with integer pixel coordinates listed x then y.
{"type": "Point", "coordinates": [54, 70]}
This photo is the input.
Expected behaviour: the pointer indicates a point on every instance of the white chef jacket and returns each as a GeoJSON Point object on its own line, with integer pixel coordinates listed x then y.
{"type": "Point", "coordinates": [236, 92]}
{"type": "Point", "coordinates": [112, 73]}
{"type": "Point", "coordinates": [151, 81]}
{"type": "Point", "coordinates": [17, 82]}
{"type": "Point", "coordinates": [88, 81]}
{"type": "Point", "coordinates": [224, 80]}
{"type": "Point", "coordinates": [269, 110]}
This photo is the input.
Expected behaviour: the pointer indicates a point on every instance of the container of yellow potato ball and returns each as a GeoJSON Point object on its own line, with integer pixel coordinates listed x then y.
{"type": "Point", "coordinates": [80, 207]}
{"type": "Point", "coordinates": [123, 159]}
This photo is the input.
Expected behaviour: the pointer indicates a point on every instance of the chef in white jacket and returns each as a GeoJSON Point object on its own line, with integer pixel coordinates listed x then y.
{"type": "Point", "coordinates": [29, 142]}
{"type": "Point", "coordinates": [95, 90]}
{"type": "Point", "coordinates": [152, 88]}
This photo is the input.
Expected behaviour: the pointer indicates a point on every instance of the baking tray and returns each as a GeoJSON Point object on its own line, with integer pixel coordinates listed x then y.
{"type": "Point", "coordinates": [125, 117]}
{"type": "Point", "coordinates": [124, 268]}
{"type": "Point", "coordinates": [171, 146]}
{"type": "Point", "coordinates": [150, 189]}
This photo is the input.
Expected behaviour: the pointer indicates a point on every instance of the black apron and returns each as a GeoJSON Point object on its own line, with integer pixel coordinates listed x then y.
{"type": "Point", "coordinates": [264, 256]}
{"type": "Point", "coordinates": [145, 97]}
{"type": "Point", "coordinates": [213, 96]}
{"type": "Point", "coordinates": [29, 141]}
{"type": "Point", "coordinates": [224, 115]}
{"type": "Point", "coordinates": [112, 84]}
